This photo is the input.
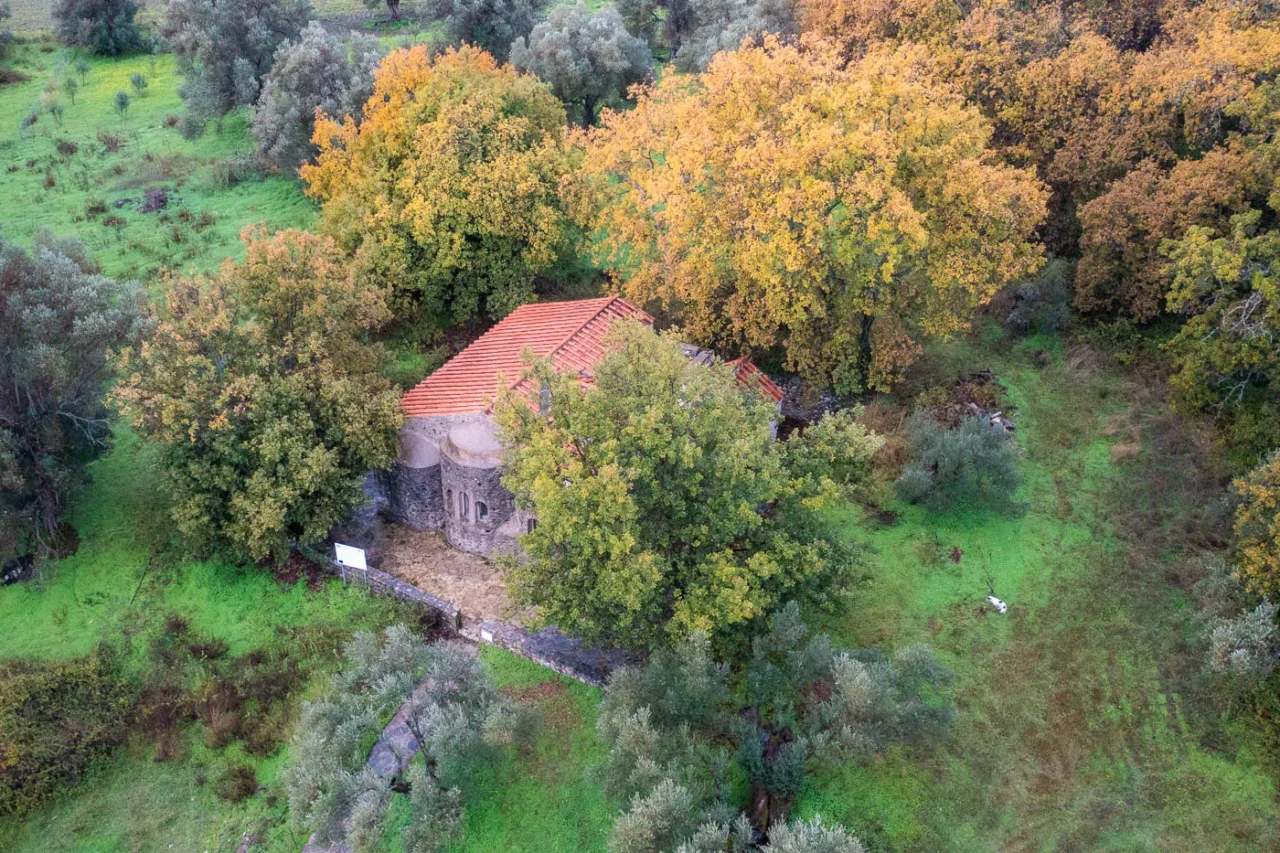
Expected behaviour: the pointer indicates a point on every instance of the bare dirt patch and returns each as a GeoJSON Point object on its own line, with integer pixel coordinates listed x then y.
{"type": "Point", "coordinates": [425, 559]}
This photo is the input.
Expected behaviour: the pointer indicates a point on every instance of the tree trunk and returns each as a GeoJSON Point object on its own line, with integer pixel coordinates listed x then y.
{"type": "Point", "coordinates": [765, 809]}
{"type": "Point", "coordinates": [588, 112]}
{"type": "Point", "coordinates": [864, 351]}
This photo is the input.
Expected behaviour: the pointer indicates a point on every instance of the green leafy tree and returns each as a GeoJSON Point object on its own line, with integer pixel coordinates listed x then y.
{"type": "Point", "coordinates": [82, 68]}
{"type": "Point", "coordinates": [225, 49]}
{"type": "Point", "coordinates": [264, 395]}
{"type": "Point", "coordinates": [1227, 362]}
{"type": "Point", "coordinates": [59, 321]}
{"type": "Point", "coordinates": [973, 464]}
{"type": "Point", "coordinates": [676, 728]}
{"type": "Point", "coordinates": [121, 103]}
{"type": "Point", "coordinates": [587, 57]}
{"type": "Point", "coordinates": [664, 507]}
{"type": "Point", "coordinates": [491, 25]}
{"type": "Point", "coordinates": [70, 86]}
{"type": "Point", "coordinates": [317, 72]}
{"type": "Point", "coordinates": [457, 718]}
{"type": "Point", "coordinates": [139, 83]}
{"type": "Point", "coordinates": [104, 26]}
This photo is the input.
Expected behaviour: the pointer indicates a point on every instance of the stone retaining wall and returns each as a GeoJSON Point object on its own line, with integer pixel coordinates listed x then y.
{"type": "Point", "coordinates": [548, 647]}
{"type": "Point", "coordinates": [381, 583]}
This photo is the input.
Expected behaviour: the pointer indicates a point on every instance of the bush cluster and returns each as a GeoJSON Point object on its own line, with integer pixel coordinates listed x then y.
{"type": "Point", "coordinates": [55, 718]}
{"type": "Point", "coordinates": [971, 465]}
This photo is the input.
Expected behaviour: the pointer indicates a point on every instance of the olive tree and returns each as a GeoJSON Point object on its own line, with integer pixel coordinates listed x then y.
{"type": "Point", "coordinates": [225, 49]}
{"type": "Point", "coordinates": [59, 321]}
{"type": "Point", "coordinates": [491, 25]}
{"type": "Point", "coordinates": [587, 57]}
{"type": "Point", "coordinates": [454, 713]}
{"type": "Point", "coordinates": [319, 71]}
{"type": "Point", "coordinates": [103, 26]}
{"type": "Point", "coordinates": [680, 729]}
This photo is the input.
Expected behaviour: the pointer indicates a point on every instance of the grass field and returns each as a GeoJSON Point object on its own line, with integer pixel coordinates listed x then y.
{"type": "Point", "coordinates": [84, 189]}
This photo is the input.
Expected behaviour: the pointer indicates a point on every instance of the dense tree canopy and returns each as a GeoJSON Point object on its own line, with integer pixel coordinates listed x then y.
{"type": "Point", "coordinates": [491, 25]}
{"type": "Point", "coordinates": [1258, 527]}
{"type": "Point", "coordinates": [264, 396]}
{"type": "Point", "coordinates": [317, 72]}
{"type": "Point", "coordinates": [59, 321]}
{"type": "Point", "coordinates": [103, 26]}
{"type": "Point", "coordinates": [224, 50]}
{"type": "Point", "coordinates": [782, 198]}
{"type": "Point", "coordinates": [663, 505]}
{"type": "Point", "coordinates": [450, 186]}
{"type": "Point", "coordinates": [677, 727]}
{"type": "Point", "coordinates": [587, 57]}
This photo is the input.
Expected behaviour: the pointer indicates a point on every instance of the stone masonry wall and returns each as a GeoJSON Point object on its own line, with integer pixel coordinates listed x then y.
{"type": "Point", "coordinates": [415, 497]}
{"type": "Point", "coordinates": [479, 484]}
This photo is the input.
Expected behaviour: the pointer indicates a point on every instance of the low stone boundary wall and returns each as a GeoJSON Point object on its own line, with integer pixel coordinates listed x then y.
{"type": "Point", "coordinates": [557, 652]}
{"type": "Point", "coordinates": [381, 583]}
{"type": "Point", "coordinates": [548, 647]}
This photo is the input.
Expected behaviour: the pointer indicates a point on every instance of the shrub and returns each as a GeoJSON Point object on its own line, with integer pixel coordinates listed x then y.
{"type": "Point", "coordinates": [121, 103]}
{"type": "Point", "coordinates": [973, 464]}
{"type": "Point", "coordinates": [1244, 649]}
{"type": "Point", "coordinates": [1257, 527]}
{"type": "Point", "coordinates": [138, 82]}
{"type": "Point", "coordinates": [239, 782]}
{"type": "Point", "coordinates": [55, 718]}
{"type": "Point", "coordinates": [82, 68]}
{"type": "Point", "coordinates": [103, 26]}
{"type": "Point", "coordinates": [317, 72]}
{"type": "Point", "coordinates": [1044, 305]}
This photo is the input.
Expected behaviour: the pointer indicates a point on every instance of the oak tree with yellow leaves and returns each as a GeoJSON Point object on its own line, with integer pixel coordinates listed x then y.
{"type": "Point", "coordinates": [844, 213]}
{"type": "Point", "coordinates": [449, 189]}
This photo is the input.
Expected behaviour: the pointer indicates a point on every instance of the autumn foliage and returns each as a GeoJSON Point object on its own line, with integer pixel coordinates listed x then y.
{"type": "Point", "coordinates": [449, 187]}
{"type": "Point", "coordinates": [844, 213]}
{"type": "Point", "coordinates": [1258, 527]}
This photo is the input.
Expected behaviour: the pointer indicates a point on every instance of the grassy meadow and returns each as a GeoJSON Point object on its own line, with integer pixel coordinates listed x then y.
{"type": "Point", "coordinates": [1080, 724]}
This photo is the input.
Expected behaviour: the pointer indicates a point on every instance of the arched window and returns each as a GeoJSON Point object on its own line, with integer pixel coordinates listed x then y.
{"type": "Point", "coordinates": [531, 525]}
{"type": "Point", "coordinates": [482, 511]}
{"type": "Point", "coordinates": [466, 504]}
{"type": "Point", "coordinates": [448, 501]}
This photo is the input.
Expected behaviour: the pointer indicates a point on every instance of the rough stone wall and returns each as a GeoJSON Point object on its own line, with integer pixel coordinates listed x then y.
{"type": "Point", "coordinates": [436, 427]}
{"type": "Point", "coordinates": [415, 497]}
{"type": "Point", "coordinates": [479, 484]}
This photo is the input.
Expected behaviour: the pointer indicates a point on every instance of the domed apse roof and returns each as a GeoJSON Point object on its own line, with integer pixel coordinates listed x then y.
{"type": "Point", "coordinates": [418, 451]}
{"type": "Point", "coordinates": [473, 444]}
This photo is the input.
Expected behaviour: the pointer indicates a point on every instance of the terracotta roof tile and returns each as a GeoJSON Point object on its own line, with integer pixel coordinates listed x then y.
{"type": "Point", "coordinates": [570, 333]}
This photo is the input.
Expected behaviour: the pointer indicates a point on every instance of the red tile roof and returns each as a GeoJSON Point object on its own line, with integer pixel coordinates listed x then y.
{"type": "Point", "coordinates": [570, 333]}
{"type": "Point", "coordinates": [747, 375]}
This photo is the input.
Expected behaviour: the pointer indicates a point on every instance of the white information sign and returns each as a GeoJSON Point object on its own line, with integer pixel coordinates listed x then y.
{"type": "Point", "coordinates": [352, 558]}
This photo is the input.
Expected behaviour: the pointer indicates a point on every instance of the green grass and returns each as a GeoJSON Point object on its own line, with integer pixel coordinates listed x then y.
{"type": "Point", "coordinates": [201, 225]}
{"type": "Point", "coordinates": [1066, 737]}
{"type": "Point", "coordinates": [130, 802]}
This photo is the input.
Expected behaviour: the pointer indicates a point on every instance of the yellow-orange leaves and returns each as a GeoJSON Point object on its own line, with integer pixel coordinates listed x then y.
{"type": "Point", "coordinates": [449, 187]}
{"type": "Point", "coordinates": [782, 197]}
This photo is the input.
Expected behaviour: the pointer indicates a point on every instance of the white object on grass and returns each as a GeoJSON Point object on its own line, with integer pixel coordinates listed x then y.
{"type": "Point", "coordinates": [999, 605]}
{"type": "Point", "coordinates": [352, 558]}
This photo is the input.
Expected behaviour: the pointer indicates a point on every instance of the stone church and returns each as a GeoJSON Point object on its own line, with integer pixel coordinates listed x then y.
{"type": "Point", "coordinates": [449, 472]}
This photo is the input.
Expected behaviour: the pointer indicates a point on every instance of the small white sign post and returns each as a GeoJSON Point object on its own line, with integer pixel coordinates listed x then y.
{"type": "Point", "coordinates": [349, 557]}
